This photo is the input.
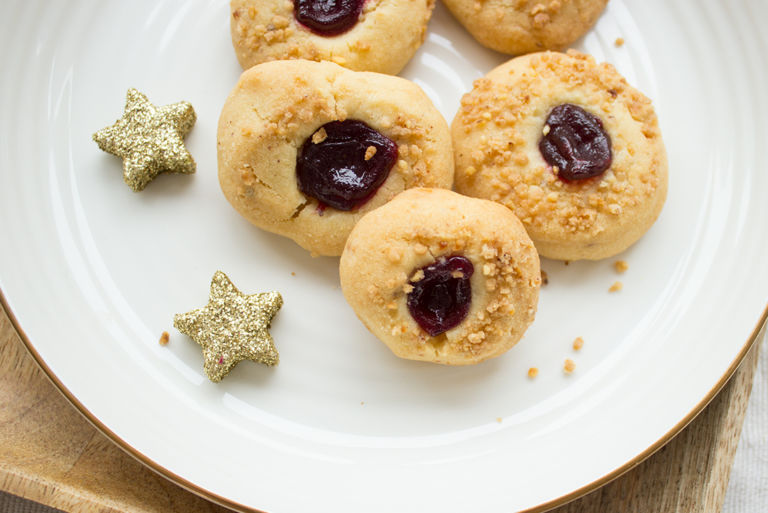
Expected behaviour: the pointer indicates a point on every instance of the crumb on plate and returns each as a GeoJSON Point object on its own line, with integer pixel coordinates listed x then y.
{"type": "Point", "coordinates": [621, 266]}
{"type": "Point", "coordinates": [617, 286]}
{"type": "Point", "coordinates": [544, 277]}
{"type": "Point", "coordinates": [619, 41]}
{"type": "Point", "coordinates": [578, 343]}
{"type": "Point", "coordinates": [533, 372]}
{"type": "Point", "coordinates": [569, 366]}
{"type": "Point", "coordinates": [164, 338]}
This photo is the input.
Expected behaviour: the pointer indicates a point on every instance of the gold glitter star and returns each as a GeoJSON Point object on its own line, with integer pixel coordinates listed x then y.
{"type": "Point", "coordinates": [232, 327]}
{"type": "Point", "coordinates": [149, 139]}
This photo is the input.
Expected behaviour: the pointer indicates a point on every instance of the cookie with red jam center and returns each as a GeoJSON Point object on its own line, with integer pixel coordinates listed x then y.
{"type": "Point", "coordinates": [306, 148]}
{"type": "Point", "coordinates": [442, 277]}
{"type": "Point", "coordinates": [362, 35]}
{"type": "Point", "coordinates": [567, 145]}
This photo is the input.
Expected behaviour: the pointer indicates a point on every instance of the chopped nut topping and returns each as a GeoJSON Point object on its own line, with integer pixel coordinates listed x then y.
{"type": "Point", "coordinates": [394, 255]}
{"type": "Point", "coordinates": [621, 266]}
{"type": "Point", "coordinates": [319, 136]}
{"type": "Point", "coordinates": [370, 152]}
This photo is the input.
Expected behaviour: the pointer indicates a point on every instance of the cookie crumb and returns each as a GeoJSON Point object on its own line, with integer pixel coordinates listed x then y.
{"type": "Point", "coordinates": [164, 338]}
{"type": "Point", "coordinates": [569, 366]}
{"type": "Point", "coordinates": [370, 151]}
{"type": "Point", "coordinates": [544, 277]}
{"type": "Point", "coordinates": [498, 419]}
{"type": "Point", "coordinates": [621, 266]}
{"type": "Point", "coordinates": [578, 343]}
{"type": "Point", "coordinates": [533, 372]}
{"type": "Point", "coordinates": [619, 41]}
{"type": "Point", "coordinates": [566, 262]}
{"type": "Point", "coordinates": [321, 135]}
{"type": "Point", "coordinates": [617, 286]}
{"type": "Point", "coordinates": [362, 403]}
{"type": "Point", "coordinates": [293, 273]}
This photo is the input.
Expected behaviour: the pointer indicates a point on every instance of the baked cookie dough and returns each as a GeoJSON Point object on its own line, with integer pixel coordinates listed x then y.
{"type": "Point", "coordinates": [362, 35]}
{"type": "Point", "coordinates": [441, 277]}
{"type": "Point", "coordinates": [563, 106]}
{"type": "Point", "coordinates": [305, 148]}
{"type": "Point", "coordinates": [524, 26]}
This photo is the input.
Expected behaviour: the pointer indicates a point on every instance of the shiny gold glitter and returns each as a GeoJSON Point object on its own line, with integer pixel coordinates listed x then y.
{"type": "Point", "coordinates": [149, 139]}
{"type": "Point", "coordinates": [232, 327]}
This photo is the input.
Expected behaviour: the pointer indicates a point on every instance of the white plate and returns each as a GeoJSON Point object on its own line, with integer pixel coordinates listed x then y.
{"type": "Point", "coordinates": [94, 273]}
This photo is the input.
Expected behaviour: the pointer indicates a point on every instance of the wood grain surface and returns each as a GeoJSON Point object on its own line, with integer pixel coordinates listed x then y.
{"type": "Point", "coordinates": [50, 454]}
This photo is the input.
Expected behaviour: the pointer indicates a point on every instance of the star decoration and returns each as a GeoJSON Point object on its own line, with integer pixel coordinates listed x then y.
{"type": "Point", "coordinates": [149, 139]}
{"type": "Point", "coordinates": [232, 327]}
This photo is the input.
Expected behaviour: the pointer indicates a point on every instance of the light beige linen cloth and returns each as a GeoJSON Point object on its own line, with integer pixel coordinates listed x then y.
{"type": "Point", "coordinates": [748, 488]}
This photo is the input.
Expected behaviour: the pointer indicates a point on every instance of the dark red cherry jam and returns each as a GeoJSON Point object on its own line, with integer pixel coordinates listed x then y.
{"type": "Point", "coordinates": [440, 299]}
{"type": "Point", "coordinates": [328, 17]}
{"type": "Point", "coordinates": [576, 143]}
{"type": "Point", "coordinates": [344, 163]}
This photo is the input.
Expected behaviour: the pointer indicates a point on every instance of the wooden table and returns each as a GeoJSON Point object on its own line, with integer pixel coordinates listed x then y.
{"type": "Point", "coordinates": [50, 454]}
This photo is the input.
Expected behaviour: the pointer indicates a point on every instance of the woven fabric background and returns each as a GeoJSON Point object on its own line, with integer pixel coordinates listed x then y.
{"type": "Point", "coordinates": [748, 488]}
{"type": "Point", "coordinates": [12, 504]}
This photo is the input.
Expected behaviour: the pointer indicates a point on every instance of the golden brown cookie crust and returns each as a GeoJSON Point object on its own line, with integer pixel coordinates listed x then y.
{"type": "Point", "coordinates": [496, 134]}
{"type": "Point", "coordinates": [276, 106]}
{"type": "Point", "coordinates": [391, 243]}
{"type": "Point", "coordinates": [384, 39]}
{"type": "Point", "coordinates": [524, 26]}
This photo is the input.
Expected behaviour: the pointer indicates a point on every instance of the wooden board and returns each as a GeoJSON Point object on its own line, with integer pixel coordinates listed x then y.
{"type": "Point", "coordinates": [50, 454]}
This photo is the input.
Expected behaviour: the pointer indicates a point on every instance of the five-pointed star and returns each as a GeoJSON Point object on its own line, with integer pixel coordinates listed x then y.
{"type": "Point", "coordinates": [232, 327]}
{"type": "Point", "coordinates": [149, 139]}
